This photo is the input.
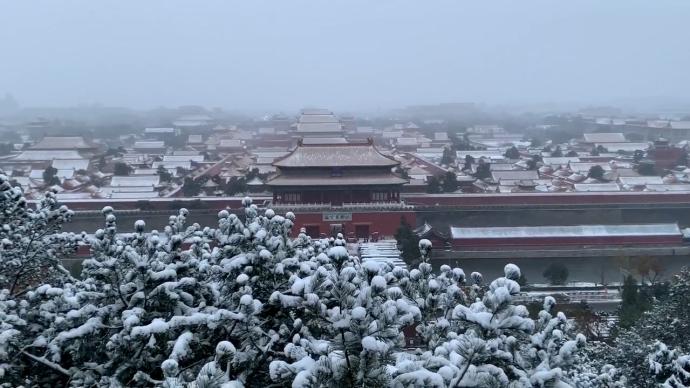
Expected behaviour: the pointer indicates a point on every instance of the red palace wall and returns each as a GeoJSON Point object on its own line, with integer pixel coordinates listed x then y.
{"type": "Point", "coordinates": [163, 204]}
{"type": "Point", "coordinates": [386, 223]}
{"type": "Point", "coordinates": [551, 199]}
{"type": "Point", "coordinates": [566, 241]}
{"type": "Point", "coordinates": [417, 199]}
{"type": "Point", "coordinates": [666, 157]}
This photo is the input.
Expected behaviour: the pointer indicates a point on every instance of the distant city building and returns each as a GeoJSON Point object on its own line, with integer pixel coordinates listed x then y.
{"type": "Point", "coordinates": [349, 123]}
{"type": "Point", "coordinates": [230, 145]}
{"type": "Point", "coordinates": [64, 143]}
{"type": "Point", "coordinates": [165, 134]}
{"type": "Point", "coordinates": [280, 122]}
{"type": "Point", "coordinates": [196, 140]}
{"type": "Point", "coordinates": [602, 138]}
{"type": "Point", "coordinates": [489, 129]}
{"type": "Point", "coordinates": [150, 146]}
{"type": "Point", "coordinates": [318, 122]}
{"type": "Point", "coordinates": [46, 155]}
{"type": "Point", "coordinates": [194, 122]}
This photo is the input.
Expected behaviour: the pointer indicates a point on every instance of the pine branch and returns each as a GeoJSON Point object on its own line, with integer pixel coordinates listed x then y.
{"type": "Point", "coordinates": [47, 363]}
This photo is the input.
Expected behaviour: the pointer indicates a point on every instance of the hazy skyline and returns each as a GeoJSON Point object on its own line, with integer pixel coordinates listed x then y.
{"type": "Point", "coordinates": [345, 54]}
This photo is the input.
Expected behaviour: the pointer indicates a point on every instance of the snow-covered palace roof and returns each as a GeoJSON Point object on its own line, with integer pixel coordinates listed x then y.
{"type": "Point", "coordinates": [318, 121]}
{"type": "Point", "coordinates": [604, 137]}
{"type": "Point", "coordinates": [159, 130]}
{"type": "Point", "coordinates": [565, 231]}
{"type": "Point", "coordinates": [336, 155]}
{"type": "Point", "coordinates": [135, 181]}
{"type": "Point", "coordinates": [44, 155]}
{"type": "Point", "coordinates": [61, 143]}
{"type": "Point", "coordinates": [71, 164]}
{"type": "Point", "coordinates": [148, 144]}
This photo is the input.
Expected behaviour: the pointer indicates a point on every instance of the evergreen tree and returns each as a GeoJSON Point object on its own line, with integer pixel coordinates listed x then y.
{"type": "Point", "coordinates": [236, 185]}
{"type": "Point", "coordinates": [450, 182]}
{"type": "Point", "coordinates": [119, 151]}
{"type": "Point", "coordinates": [191, 187]}
{"type": "Point", "coordinates": [122, 169]}
{"type": "Point", "coordinates": [491, 341]}
{"type": "Point", "coordinates": [512, 153]}
{"type": "Point", "coordinates": [407, 242]}
{"type": "Point", "coordinates": [163, 173]}
{"type": "Point", "coordinates": [556, 273]}
{"type": "Point", "coordinates": [596, 172]}
{"type": "Point", "coordinates": [403, 173]}
{"type": "Point", "coordinates": [638, 155]}
{"type": "Point", "coordinates": [522, 280]}
{"type": "Point", "coordinates": [49, 176]}
{"type": "Point", "coordinates": [483, 170]}
{"type": "Point", "coordinates": [433, 186]}
{"type": "Point", "coordinates": [448, 157]}
{"type": "Point", "coordinates": [634, 302]}
{"type": "Point", "coordinates": [100, 165]}
{"type": "Point", "coordinates": [589, 322]}
{"type": "Point", "coordinates": [469, 161]}
{"type": "Point", "coordinates": [33, 243]}
{"type": "Point", "coordinates": [461, 143]}
{"type": "Point", "coordinates": [646, 167]}
{"type": "Point", "coordinates": [669, 367]}
{"type": "Point", "coordinates": [666, 322]}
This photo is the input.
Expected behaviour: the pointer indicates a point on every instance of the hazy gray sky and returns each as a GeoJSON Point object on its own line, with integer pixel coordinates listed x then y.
{"type": "Point", "coordinates": [342, 54]}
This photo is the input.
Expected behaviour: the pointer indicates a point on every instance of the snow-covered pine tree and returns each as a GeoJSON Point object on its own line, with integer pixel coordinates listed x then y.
{"type": "Point", "coordinates": [493, 342]}
{"type": "Point", "coordinates": [32, 245]}
{"type": "Point", "coordinates": [669, 368]}
{"type": "Point", "coordinates": [668, 322]}
{"type": "Point", "coordinates": [435, 296]}
{"type": "Point", "coordinates": [144, 297]}
{"type": "Point", "coordinates": [31, 239]}
{"type": "Point", "coordinates": [348, 324]}
{"type": "Point", "coordinates": [247, 265]}
{"type": "Point", "coordinates": [155, 303]}
{"type": "Point", "coordinates": [662, 367]}
{"type": "Point", "coordinates": [138, 298]}
{"type": "Point", "coordinates": [251, 263]}
{"type": "Point", "coordinates": [585, 375]}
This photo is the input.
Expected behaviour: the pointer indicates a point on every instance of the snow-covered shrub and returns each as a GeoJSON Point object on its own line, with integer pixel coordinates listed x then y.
{"type": "Point", "coordinates": [586, 376]}
{"type": "Point", "coordinates": [669, 368]}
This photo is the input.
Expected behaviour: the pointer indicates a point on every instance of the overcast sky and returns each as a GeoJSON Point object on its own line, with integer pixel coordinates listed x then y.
{"type": "Point", "coordinates": [341, 54]}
